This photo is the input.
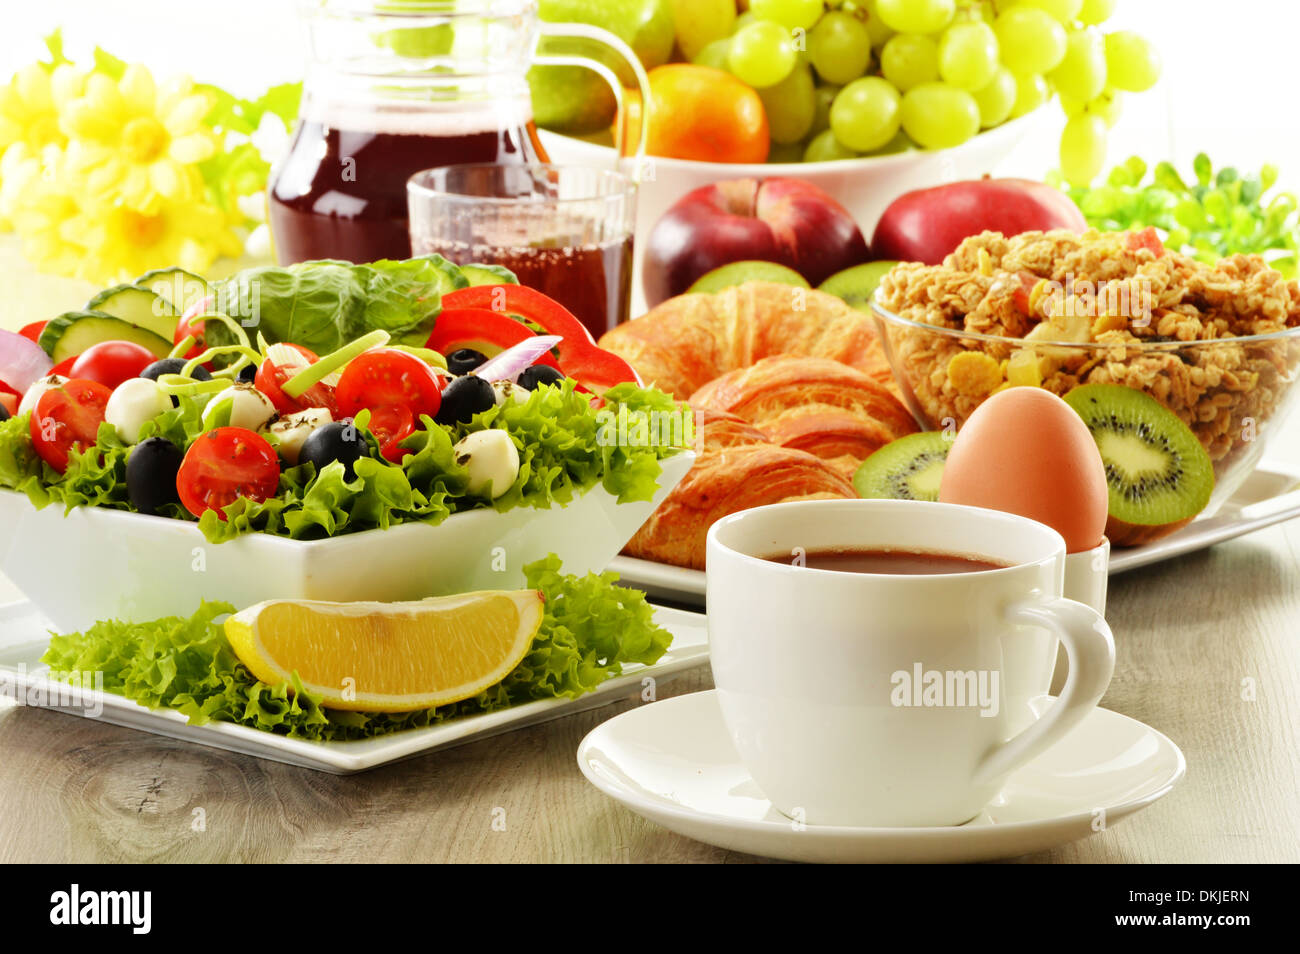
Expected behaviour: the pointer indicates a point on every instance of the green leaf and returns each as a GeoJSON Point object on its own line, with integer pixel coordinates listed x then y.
{"type": "Point", "coordinates": [109, 64]}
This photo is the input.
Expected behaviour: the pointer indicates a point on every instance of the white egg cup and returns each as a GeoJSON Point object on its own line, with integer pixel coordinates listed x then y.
{"type": "Point", "coordinates": [1086, 575]}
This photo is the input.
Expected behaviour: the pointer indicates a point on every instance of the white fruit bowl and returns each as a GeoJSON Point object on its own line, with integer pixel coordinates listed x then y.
{"type": "Point", "coordinates": [97, 563]}
{"type": "Point", "coordinates": [863, 186]}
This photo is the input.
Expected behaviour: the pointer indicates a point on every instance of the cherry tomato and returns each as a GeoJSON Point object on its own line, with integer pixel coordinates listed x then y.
{"type": "Point", "coordinates": [112, 362]}
{"type": "Point", "coordinates": [391, 424]}
{"type": "Point", "coordinates": [66, 417]}
{"type": "Point", "coordinates": [33, 331]}
{"type": "Point", "coordinates": [223, 465]}
{"type": "Point", "coordinates": [270, 376]}
{"type": "Point", "coordinates": [386, 377]}
{"type": "Point", "coordinates": [186, 328]}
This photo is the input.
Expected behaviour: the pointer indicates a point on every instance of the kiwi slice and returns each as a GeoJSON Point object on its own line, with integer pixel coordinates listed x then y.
{"type": "Point", "coordinates": [1157, 472]}
{"type": "Point", "coordinates": [737, 273]}
{"type": "Point", "coordinates": [856, 285]}
{"type": "Point", "coordinates": [906, 469]}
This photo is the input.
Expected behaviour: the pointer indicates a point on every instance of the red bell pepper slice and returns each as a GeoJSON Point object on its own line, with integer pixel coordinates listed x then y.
{"type": "Point", "coordinates": [33, 331]}
{"type": "Point", "coordinates": [580, 358]}
{"type": "Point", "coordinates": [488, 332]}
{"type": "Point", "coordinates": [527, 303]}
{"type": "Point", "coordinates": [10, 398]}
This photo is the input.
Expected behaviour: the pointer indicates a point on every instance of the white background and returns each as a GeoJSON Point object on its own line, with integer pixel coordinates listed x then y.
{"type": "Point", "coordinates": [1228, 86]}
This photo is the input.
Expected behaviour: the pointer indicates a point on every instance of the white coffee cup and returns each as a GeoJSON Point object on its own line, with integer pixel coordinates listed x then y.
{"type": "Point", "coordinates": [816, 669]}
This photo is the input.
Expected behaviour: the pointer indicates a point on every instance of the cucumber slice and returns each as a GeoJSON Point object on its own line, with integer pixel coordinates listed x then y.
{"type": "Point", "coordinates": [137, 306]}
{"type": "Point", "coordinates": [72, 333]}
{"type": "Point", "coordinates": [179, 287]}
{"type": "Point", "coordinates": [480, 274]}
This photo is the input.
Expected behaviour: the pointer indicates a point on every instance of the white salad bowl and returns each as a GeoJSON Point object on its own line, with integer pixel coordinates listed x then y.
{"type": "Point", "coordinates": [96, 563]}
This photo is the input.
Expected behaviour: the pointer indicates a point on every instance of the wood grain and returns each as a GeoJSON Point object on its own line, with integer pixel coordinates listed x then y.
{"type": "Point", "coordinates": [1188, 633]}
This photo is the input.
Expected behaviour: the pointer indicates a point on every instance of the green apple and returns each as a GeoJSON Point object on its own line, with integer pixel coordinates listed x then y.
{"type": "Point", "coordinates": [575, 100]}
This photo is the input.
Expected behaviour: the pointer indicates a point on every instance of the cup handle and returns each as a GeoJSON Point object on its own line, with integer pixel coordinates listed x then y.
{"type": "Point", "coordinates": [1091, 650]}
{"type": "Point", "coordinates": [587, 32]}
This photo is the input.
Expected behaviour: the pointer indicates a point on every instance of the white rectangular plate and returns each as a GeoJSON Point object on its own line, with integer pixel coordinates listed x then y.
{"type": "Point", "coordinates": [1270, 495]}
{"type": "Point", "coordinates": [24, 635]}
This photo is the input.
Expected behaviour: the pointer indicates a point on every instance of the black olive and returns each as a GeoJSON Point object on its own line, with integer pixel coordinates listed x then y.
{"type": "Point", "coordinates": [539, 374]}
{"type": "Point", "coordinates": [465, 360]}
{"type": "Point", "coordinates": [4, 413]}
{"type": "Point", "coordinates": [464, 398]}
{"type": "Point", "coordinates": [337, 441]}
{"type": "Point", "coordinates": [151, 474]}
{"type": "Point", "coordinates": [173, 366]}
{"type": "Point", "coordinates": [247, 373]}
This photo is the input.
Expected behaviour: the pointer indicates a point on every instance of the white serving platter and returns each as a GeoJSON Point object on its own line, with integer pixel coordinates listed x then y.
{"type": "Point", "coordinates": [1270, 495]}
{"type": "Point", "coordinates": [24, 635]}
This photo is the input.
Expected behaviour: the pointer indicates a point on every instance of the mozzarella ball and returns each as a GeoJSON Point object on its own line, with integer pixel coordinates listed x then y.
{"type": "Point", "coordinates": [250, 408]}
{"type": "Point", "coordinates": [132, 404]}
{"type": "Point", "coordinates": [492, 461]}
{"type": "Point", "coordinates": [33, 393]}
{"type": "Point", "coordinates": [293, 430]}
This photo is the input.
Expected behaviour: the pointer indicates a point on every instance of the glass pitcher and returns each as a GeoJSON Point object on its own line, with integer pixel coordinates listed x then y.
{"type": "Point", "coordinates": [397, 86]}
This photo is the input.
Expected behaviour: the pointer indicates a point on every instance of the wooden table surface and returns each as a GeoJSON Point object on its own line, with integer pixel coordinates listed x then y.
{"type": "Point", "coordinates": [1189, 632]}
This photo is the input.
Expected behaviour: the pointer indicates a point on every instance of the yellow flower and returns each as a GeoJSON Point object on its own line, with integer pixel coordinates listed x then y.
{"type": "Point", "coordinates": [122, 242]}
{"type": "Point", "coordinates": [36, 197]}
{"type": "Point", "coordinates": [31, 101]}
{"type": "Point", "coordinates": [139, 140]}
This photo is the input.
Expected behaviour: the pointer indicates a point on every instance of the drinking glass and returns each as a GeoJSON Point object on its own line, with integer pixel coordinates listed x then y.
{"type": "Point", "coordinates": [563, 230]}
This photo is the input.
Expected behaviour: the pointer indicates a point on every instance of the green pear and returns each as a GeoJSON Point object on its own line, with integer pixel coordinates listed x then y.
{"type": "Point", "coordinates": [571, 99]}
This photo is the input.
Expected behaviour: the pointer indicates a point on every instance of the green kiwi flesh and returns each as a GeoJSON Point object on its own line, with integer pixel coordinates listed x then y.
{"type": "Point", "coordinates": [1157, 471]}
{"type": "Point", "coordinates": [857, 285]}
{"type": "Point", "coordinates": [906, 469]}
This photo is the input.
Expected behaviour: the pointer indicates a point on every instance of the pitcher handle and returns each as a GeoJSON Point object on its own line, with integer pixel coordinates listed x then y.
{"type": "Point", "coordinates": [588, 32]}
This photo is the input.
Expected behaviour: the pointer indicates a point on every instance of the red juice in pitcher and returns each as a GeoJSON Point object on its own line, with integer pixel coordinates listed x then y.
{"type": "Point", "coordinates": [341, 190]}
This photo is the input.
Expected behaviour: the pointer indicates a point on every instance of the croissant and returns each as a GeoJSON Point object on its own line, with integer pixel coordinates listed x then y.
{"type": "Point", "coordinates": [687, 341]}
{"type": "Point", "coordinates": [826, 408]}
{"type": "Point", "coordinates": [735, 470]}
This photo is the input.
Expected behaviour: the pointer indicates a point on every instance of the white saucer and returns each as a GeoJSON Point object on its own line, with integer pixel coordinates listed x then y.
{"type": "Point", "coordinates": [673, 762]}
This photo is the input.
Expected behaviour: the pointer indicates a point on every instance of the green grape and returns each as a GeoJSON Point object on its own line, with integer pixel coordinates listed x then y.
{"type": "Point", "coordinates": [1082, 72]}
{"type": "Point", "coordinates": [1031, 92]}
{"type": "Point", "coordinates": [823, 96]}
{"type": "Point", "coordinates": [865, 114]}
{"type": "Point", "coordinates": [1070, 105]}
{"type": "Point", "coordinates": [916, 16]}
{"type": "Point", "coordinates": [910, 59]}
{"type": "Point", "coordinates": [839, 47]}
{"type": "Point", "coordinates": [996, 99]}
{"type": "Point", "coordinates": [879, 30]}
{"type": "Point", "coordinates": [715, 54]}
{"type": "Point", "coordinates": [1132, 63]}
{"type": "Point", "coordinates": [899, 143]}
{"type": "Point", "coordinates": [1107, 106]}
{"type": "Point", "coordinates": [700, 23]}
{"type": "Point", "coordinates": [1093, 12]}
{"type": "Point", "coordinates": [1062, 11]}
{"type": "Point", "coordinates": [1029, 39]}
{"type": "Point", "coordinates": [824, 147]}
{"type": "Point", "coordinates": [968, 55]}
{"type": "Point", "coordinates": [790, 105]}
{"type": "Point", "coordinates": [762, 53]}
{"type": "Point", "coordinates": [938, 116]}
{"type": "Point", "coordinates": [1083, 148]}
{"type": "Point", "coordinates": [791, 14]}
{"type": "Point", "coordinates": [785, 152]}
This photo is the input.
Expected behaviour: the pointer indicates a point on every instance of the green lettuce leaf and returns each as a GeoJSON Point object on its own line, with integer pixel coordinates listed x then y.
{"type": "Point", "coordinates": [590, 630]}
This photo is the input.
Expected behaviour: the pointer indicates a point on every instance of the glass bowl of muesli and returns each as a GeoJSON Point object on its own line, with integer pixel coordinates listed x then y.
{"type": "Point", "coordinates": [1219, 345]}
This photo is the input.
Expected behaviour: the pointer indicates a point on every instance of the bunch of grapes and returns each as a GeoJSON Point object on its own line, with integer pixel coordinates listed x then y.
{"type": "Point", "coordinates": [847, 78]}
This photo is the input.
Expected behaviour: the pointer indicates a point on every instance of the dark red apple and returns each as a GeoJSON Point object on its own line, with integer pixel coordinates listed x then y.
{"type": "Point", "coordinates": [788, 221]}
{"type": "Point", "coordinates": [926, 225]}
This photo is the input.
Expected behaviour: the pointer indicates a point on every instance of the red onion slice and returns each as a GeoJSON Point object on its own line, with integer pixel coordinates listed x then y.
{"type": "Point", "coordinates": [509, 364]}
{"type": "Point", "coordinates": [22, 361]}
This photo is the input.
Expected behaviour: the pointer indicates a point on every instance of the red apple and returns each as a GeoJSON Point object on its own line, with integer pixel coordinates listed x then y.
{"type": "Point", "coordinates": [926, 225]}
{"type": "Point", "coordinates": [788, 221]}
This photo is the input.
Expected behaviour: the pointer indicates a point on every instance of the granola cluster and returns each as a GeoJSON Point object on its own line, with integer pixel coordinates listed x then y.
{"type": "Point", "coordinates": [1096, 308]}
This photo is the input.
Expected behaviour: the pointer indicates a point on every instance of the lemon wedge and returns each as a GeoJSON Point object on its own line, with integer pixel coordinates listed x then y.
{"type": "Point", "coordinates": [389, 657]}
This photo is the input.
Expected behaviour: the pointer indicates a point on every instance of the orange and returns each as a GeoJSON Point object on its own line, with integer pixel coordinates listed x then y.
{"type": "Point", "coordinates": [698, 112]}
